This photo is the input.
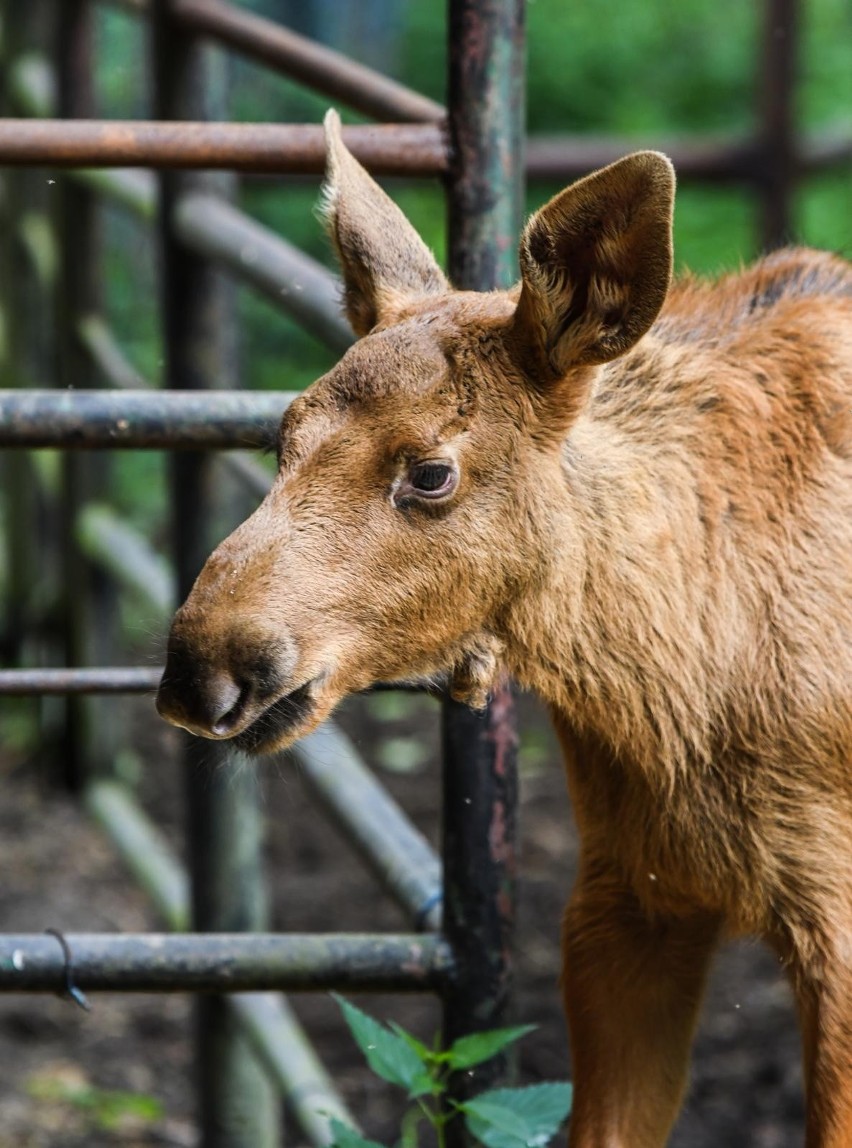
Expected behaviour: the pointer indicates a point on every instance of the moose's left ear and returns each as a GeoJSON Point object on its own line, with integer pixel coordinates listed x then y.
{"type": "Point", "coordinates": [596, 264]}
{"type": "Point", "coordinates": [384, 261]}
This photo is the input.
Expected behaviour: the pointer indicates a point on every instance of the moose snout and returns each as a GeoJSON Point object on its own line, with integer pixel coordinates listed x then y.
{"type": "Point", "coordinates": [218, 688]}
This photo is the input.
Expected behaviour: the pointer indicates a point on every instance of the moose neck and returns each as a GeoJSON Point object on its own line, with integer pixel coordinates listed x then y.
{"type": "Point", "coordinates": [620, 629]}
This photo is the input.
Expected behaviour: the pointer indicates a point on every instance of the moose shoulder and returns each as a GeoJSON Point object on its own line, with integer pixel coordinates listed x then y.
{"type": "Point", "coordinates": [636, 498]}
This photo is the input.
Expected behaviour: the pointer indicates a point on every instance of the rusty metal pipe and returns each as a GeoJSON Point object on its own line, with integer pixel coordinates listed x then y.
{"type": "Point", "coordinates": [387, 149]}
{"type": "Point", "coordinates": [557, 158]}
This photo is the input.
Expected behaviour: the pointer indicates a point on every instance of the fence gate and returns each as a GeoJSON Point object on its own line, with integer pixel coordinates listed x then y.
{"type": "Point", "coordinates": [461, 924]}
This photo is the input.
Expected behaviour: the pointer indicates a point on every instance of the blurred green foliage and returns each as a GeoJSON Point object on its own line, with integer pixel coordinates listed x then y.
{"type": "Point", "coordinates": [644, 70]}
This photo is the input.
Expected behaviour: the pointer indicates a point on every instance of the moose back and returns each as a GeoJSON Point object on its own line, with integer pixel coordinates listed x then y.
{"type": "Point", "coordinates": [635, 498]}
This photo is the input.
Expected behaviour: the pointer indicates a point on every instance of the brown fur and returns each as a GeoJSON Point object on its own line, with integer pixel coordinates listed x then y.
{"type": "Point", "coordinates": [651, 528]}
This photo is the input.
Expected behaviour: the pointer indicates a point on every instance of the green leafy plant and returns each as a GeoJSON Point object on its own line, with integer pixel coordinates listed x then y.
{"type": "Point", "coordinates": [499, 1118]}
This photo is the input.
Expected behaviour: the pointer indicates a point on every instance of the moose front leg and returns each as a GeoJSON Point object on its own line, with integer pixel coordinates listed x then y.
{"type": "Point", "coordinates": [632, 987]}
{"type": "Point", "coordinates": [823, 987]}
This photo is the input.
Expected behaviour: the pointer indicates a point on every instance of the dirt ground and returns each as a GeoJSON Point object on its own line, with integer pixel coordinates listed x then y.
{"type": "Point", "coordinates": [64, 1073]}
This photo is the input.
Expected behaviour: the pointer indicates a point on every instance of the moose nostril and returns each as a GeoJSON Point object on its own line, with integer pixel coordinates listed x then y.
{"type": "Point", "coordinates": [226, 700]}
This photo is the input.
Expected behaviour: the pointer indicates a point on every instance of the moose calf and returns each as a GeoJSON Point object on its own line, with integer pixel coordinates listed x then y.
{"type": "Point", "coordinates": [636, 499]}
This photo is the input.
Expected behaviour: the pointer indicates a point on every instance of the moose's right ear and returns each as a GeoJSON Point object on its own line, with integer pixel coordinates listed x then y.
{"type": "Point", "coordinates": [595, 263]}
{"type": "Point", "coordinates": [384, 261]}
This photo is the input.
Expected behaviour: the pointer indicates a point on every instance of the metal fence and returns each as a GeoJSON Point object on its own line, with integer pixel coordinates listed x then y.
{"type": "Point", "coordinates": [460, 904]}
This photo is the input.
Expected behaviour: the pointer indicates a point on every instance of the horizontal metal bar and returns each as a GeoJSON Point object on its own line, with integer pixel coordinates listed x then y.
{"type": "Point", "coordinates": [98, 338]}
{"type": "Point", "coordinates": [712, 160]}
{"type": "Point", "coordinates": [566, 157]}
{"type": "Point", "coordinates": [290, 1060]}
{"type": "Point", "coordinates": [225, 962]}
{"type": "Point", "coordinates": [143, 849]}
{"type": "Point", "coordinates": [120, 679]}
{"type": "Point", "coordinates": [388, 149]}
{"type": "Point", "coordinates": [141, 420]}
{"type": "Point", "coordinates": [557, 158]}
{"type": "Point", "coordinates": [294, 282]}
{"type": "Point", "coordinates": [396, 852]}
{"type": "Point", "coordinates": [313, 64]}
{"type": "Point", "coordinates": [103, 680]}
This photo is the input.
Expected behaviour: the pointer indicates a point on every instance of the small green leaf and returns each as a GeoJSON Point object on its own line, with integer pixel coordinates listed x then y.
{"type": "Point", "coordinates": [389, 1056]}
{"type": "Point", "coordinates": [495, 1118]}
{"type": "Point", "coordinates": [518, 1117]}
{"type": "Point", "coordinates": [346, 1137]}
{"type": "Point", "coordinates": [426, 1055]}
{"type": "Point", "coordinates": [480, 1046]}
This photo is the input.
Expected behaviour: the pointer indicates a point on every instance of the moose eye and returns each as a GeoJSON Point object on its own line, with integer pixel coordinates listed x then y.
{"type": "Point", "coordinates": [432, 479]}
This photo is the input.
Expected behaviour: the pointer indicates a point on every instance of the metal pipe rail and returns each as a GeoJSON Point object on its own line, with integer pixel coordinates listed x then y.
{"type": "Point", "coordinates": [102, 680]}
{"type": "Point", "coordinates": [141, 420]}
{"type": "Point", "coordinates": [387, 149]}
{"type": "Point", "coordinates": [717, 160]}
{"type": "Point", "coordinates": [323, 69]}
{"type": "Point", "coordinates": [225, 962]}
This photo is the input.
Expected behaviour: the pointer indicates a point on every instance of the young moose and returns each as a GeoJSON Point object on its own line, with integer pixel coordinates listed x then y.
{"type": "Point", "coordinates": [635, 499]}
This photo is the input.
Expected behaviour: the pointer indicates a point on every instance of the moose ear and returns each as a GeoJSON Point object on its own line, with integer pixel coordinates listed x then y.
{"type": "Point", "coordinates": [595, 263]}
{"type": "Point", "coordinates": [384, 261]}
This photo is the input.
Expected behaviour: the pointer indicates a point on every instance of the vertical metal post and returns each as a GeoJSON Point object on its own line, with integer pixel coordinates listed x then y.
{"type": "Point", "coordinates": [777, 179]}
{"type": "Point", "coordinates": [27, 265]}
{"type": "Point", "coordinates": [485, 187]}
{"type": "Point", "coordinates": [87, 599]}
{"type": "Point", "coordinates": [237, 1106]}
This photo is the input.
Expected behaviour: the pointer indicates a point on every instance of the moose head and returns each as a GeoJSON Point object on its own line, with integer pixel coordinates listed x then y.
{"type": "Point", "coordinates": [411, 531]}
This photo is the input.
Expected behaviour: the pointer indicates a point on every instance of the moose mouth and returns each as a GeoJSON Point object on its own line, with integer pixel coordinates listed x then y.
{"type": "Point", "coordinates": [278, 723]}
